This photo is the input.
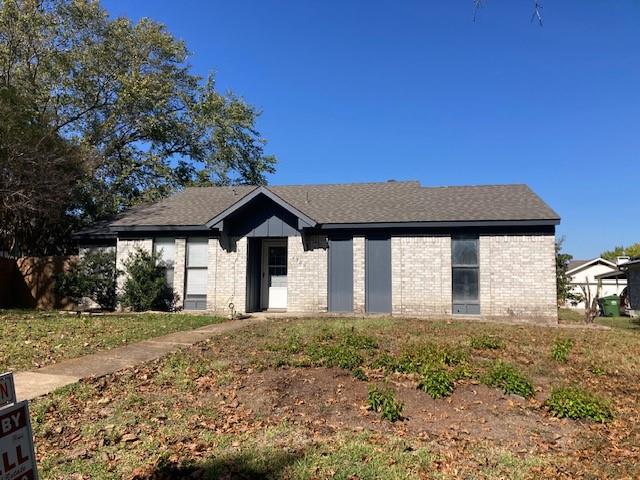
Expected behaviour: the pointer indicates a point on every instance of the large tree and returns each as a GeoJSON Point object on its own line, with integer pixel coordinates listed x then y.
{"type": "Point", "coordinates": [129, 120]}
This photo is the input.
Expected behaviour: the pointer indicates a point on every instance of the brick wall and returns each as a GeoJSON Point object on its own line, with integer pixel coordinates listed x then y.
{"type": "Point", "coordinates": [307, 273]}
{"type": "Point", "coordinates": [227, 280]}
{"type": "Point", "coordinates": [358, 275]}
{"type": "Point", "coordinates": [517, 277]}
{"type": "Point", "coordinates": [517, 274]}
{"type": "Point", "coordinates": [421, 275]}
{"type": "Point", "coordinates": [179, 270]}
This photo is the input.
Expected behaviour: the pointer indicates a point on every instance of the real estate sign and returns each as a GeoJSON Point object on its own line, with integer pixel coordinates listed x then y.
{"type": "Point", "coordinates": [17, 456]}
{"type": "Point", "coordinates": [7, 389]}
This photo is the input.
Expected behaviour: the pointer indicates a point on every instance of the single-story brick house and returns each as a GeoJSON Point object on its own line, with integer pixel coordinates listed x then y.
{"type": "Point", "coordinates": [391, 247]}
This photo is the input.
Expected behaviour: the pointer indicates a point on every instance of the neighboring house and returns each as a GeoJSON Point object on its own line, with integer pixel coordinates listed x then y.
{"type": "Point", "coordinates": [629, 272]}
{"type": "Point", "coordinates": [392, 247]}
{"type": "Point", "coordinates": [586, 273]}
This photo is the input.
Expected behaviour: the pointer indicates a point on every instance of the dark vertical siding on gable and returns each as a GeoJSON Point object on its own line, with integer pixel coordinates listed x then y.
{"type": "Point", "coordinates": [263, 220]}
{"type": "Point", "coordinates": [340, 276]}
{"type": "Point", "coordinates": [378, 274]}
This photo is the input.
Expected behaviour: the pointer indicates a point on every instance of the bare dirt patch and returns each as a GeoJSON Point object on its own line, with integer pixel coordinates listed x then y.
{"type": "Point", "coordinates": [332, 399]}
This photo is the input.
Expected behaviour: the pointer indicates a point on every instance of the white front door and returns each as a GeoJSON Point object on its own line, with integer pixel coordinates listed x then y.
{"type": "Point", "coordinates": [274, 274]}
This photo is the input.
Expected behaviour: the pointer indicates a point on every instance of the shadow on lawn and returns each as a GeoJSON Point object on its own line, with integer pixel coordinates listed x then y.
{"type": "Point", "coordinates": [246, 466]}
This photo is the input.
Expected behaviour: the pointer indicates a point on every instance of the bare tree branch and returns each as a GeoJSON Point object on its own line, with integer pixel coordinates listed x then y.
{"type": "Point", "coordinates": [537, 12]}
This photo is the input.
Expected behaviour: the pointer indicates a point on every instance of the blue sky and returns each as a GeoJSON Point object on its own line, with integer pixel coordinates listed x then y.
{"type": "Point", "coordinates": [374, 90]}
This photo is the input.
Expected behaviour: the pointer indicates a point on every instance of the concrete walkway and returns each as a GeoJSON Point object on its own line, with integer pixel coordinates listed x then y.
{"type": "Point", "coordinates": [39, 382]}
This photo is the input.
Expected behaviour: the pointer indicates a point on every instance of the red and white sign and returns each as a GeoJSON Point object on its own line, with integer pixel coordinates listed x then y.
{"type": "Point", "coordinates": [17, 456]}
{"type": "Point", "coordinates": [7, 389]}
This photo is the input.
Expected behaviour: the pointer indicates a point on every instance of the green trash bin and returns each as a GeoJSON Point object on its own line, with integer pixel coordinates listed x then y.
{"type": "Point", "coordinates": [610, 306]}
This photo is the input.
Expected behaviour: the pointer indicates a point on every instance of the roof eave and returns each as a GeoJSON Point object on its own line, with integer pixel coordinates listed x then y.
{"type": "Point", "coordinates": [159, 228]}
{"type": "Point", "coordinates": [441, 224]}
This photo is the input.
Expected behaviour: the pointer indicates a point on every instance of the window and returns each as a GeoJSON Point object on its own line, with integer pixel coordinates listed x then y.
{"type": "Point", "coordinates": [465, 275]}
{"type": "Point", "coordinates": [196, 287]}
{"type": "Point", "coordinates": [166, 247]}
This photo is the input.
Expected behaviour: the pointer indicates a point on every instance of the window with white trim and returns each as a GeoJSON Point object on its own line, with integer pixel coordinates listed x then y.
{"type": "Point", "coordinates": [196, 282]}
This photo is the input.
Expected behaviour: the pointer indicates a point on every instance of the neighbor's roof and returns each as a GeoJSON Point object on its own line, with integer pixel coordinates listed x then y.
{"type": "Point", "coordinates": [573, 264]}
{"type": "Point", "coordinates": [386, 202]}
{"type": "Point", "coordinates": [580, 264]}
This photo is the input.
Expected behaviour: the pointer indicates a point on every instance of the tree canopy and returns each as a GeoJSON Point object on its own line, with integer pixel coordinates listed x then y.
{"type": "Point", "coordinates": [632, 251]}
{"type": "Point", "coordinates": [563, 287]}
{"type": "Point", "coordinates": [99, 114]}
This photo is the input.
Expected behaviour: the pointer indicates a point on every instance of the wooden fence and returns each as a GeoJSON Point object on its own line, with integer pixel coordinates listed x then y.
{"type": "Point", "coordinates": [28, 282]}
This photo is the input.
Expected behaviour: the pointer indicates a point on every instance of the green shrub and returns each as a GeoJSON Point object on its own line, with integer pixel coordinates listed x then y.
{"type": "Point", "coordinates": [92, 276]}
{"type": "Point", "coordinates": [560, 350]}
{"type": "Point", "coordinates": [436, 382]}
{"type": "Point", "coordinates": [486, 342]}
{"type": "Point", "coordinates": [574, 402]}
{"type": "Point", "coordinates": [146, 286]}
{"type": "Point", "coordinates": [507, 377]}
{"type": "Point", "coordinates": [384, 402]}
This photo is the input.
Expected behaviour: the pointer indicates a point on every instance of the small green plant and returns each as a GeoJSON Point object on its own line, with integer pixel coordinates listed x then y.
{"type": "Point", "coordinates": [359, 341]}
{"type": "Point", "coordinates": [415, 358]}
{"type": "Point", "coordinates": [384, 402]}
{"type": "Point", "coordinates": [335, 356]}
{"type": "Point", "coordinates": [292, 345]}
{"type": "Point", "coordinates": [486, 342]}
{"type": "Point", "coordinates": [560, 350]}
{"type": "Point", "coordinates": [463, 371]}
{"type": "Point", "coordinates": [437, 382]}
{"type": "Point", "coordinates": [359, 374]}
{"type": "Point", "coordinates": [507, 377]}
{"type": "Point", "coordinates": [386, 362]}
{"type": "Point", "coordinates": [574, 402]}
{"type": "Point", "coordinates": [596, 370]}
{"type": "Point", "coordinates": [340, 349]}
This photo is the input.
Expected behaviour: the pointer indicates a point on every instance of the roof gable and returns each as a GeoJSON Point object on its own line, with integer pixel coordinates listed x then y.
{"type": "Point", "coordinates": [584, 264]}
{"type": "Point", "coordinates": [217, 221]}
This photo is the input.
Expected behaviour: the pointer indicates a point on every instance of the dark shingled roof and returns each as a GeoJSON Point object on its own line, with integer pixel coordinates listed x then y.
{"type": "Point", "coordinates": [355, 203]}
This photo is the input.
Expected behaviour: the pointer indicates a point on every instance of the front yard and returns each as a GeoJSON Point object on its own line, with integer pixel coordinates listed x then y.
{"type": "Point", "coordinates": [31, 339]}
{"type": "Point", "coordinates": [289, 399]}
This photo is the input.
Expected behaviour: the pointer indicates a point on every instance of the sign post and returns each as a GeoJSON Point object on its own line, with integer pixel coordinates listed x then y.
{"type": "Point", "coordinates": [17, 454]}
